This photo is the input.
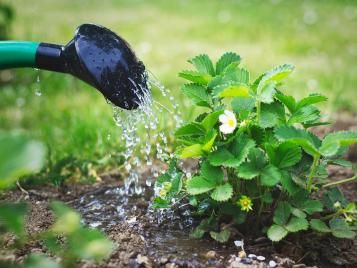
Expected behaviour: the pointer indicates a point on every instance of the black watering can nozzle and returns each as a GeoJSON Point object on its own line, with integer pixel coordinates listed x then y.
{"type": "Point", "coordinates": [97, 56]}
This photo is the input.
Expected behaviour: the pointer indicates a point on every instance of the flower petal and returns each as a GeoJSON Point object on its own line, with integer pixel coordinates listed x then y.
{"type": "Point", "coordinates": [223, 118]}
{"type": "Point", "coordinates": [229, 114]}
{"type": "Point", "coordinates": [226, 129]}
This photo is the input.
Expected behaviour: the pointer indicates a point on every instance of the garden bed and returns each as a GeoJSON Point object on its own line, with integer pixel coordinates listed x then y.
{"type": "Point", "coordinates": [147, 239]}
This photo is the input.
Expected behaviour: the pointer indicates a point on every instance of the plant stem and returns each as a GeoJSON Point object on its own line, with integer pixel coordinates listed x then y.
{"type": "Point", "coordinates": [312, 172]}
{"type": "Point", "coordinates": [340, 182]}
{"type": "Point", "coordinates": [258, 111]}
{"type": "Point", "coordinates": [327, 217]}
{"type": "Point", "coordinates": [261, 191]}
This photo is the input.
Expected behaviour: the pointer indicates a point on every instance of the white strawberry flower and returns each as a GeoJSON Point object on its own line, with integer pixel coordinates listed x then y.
{"type": "Point", "coordinates": [228, 122]}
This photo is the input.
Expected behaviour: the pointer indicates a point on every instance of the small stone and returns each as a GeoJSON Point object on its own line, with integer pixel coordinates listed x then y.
{"type": "Point", "coordinates": [252, 256]}
{"type": "Point", "coordinates": [163, 260]}
{"type": "Point", "coordinates": [211, 254]}
{"type": "Point", "coordinates": [261, 258]}
{"type": "Point", "coordinates": [272, 264]}
{"type": "Point", "coordinates": [246, 261]}
{"type": "Point", "coordinates": [299, 265]}
{"type": "Point", "coordinates": [242, 254]}
{"type": "Point", "coordinates": [239, 243]}
{"type": "Point", "coordinates": [140, 259]}
{"type": "Point", "coordinates": [132, 220]}
{"type": "Point", "coordinates": [235, 264]}
{"type": "Point", "coordinates": [170, 265]}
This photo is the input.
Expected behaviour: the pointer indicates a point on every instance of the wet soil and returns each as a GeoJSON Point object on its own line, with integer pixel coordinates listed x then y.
{"type": "Point", "coordinates": [144, 238]}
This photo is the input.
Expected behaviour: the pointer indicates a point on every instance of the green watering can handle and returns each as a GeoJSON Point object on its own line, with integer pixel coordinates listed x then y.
{"type": "Point", "coordinates": [15, 54]}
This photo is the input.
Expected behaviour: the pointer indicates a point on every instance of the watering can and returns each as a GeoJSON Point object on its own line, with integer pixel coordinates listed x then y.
{"type": "Point", "coordinates": [95, 55]}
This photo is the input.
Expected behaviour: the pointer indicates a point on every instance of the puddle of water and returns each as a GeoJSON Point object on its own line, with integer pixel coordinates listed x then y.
{"type": "Point", "coordinates": [166, 232]}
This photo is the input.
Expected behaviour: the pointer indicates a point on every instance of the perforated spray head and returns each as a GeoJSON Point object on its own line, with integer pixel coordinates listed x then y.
{"type": "Point", "coordinates": [101, 58]}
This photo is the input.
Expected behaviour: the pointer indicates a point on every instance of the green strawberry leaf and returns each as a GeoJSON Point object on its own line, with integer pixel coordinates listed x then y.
{"type": "Point", "coordinates": [197, 233]}
{"type": "Point", "coordinates": [286, 155]}
{"type": "Point", "coordinates": [209, 171]}
{"type": "Point", "coordinates": [311, 99]}
{"type": "Point", "coordinates": [209, 140]}
{"type": "Point", "coordinates": [298, 213]}
{"type": "Point", "coordinates": [288, 101]}
{"type": "Point", "coordinates": [225, 60]}
{"type": "Point", "coordinates": [196, 77]}
{"type": "Point", "coordinates": [267, 93]}
{"type": "Point", "coordinates": [248, 171]}
{"type": "Point", "coordinates": [332, 196]}
{"type": "Point", "coordinates": [192, 151]}
{"type": "Point", "coordinates": [319, 225]}
{"type": "Point", "coordinates": [211, 119]}
{"type": "Point", "coordinates": [237, 90]}
{"type": "Point", "coordinates": [297, 224]}
{"type": "Point", "coordinates": [241, 147]}
{"type": "Point", "coordinates": [243, 106]}
{"type": "Point", "coordinates": [306, 140]}
{"type": "Point", "coordinates": [305, 114]}
{"type": "Point", "coordinates": [272, 115]}
{"type": "Point", "coordinates": [341, 229]}
{"type": "Point", "coordinates": [288, 184]}
{"type": "Point", "coordinates": [270, 176]}
{"type": "Point", "coordinates": [191, 129]}
{"type": "Point", "coordinates": [159, 202]}
{"type": "Point", "coordinates": [221, 157]}
{"type": "Point", "coordinates": [19, 156]}
{"type": "Point", "coordinates": [38, 260]}
{"type": "Point", "coordinates": [234, 157]}
{"type": "Point", "coordinates": [276, 232]}
{"type": "Point", "coordinates": [282, 213]}
{"type": "Point", "coordinates": [203, 64]}
{"type": "Point", "coordinates": [237, 75]}
{"type": "Point", "coordinates": [277, 74]}
{"type": "Point", "coordinates": [197, 93]}
{"type": "Point", "coordinates": [12, 217]}
{"type": "Point", "coordinates": [222, 236]}
{"type": "Point", "coordinates": [267, 198]}
{"type": "Point", "coordinates": [341, 162]}
{"type": "Point", "coordinates": [199, 185]}
{"type": "Point", "coordinates": [254, 166]}
{"type": "Point", "coordinates": [222, 192]}
{"type": "Point", "coordinates": [333, 141]}
{"type": "Point", "coordinates": [312, 206]}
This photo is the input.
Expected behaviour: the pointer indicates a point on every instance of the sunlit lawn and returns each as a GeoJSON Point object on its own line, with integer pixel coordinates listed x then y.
{"type": "Point", "coordinates": [319, 37]}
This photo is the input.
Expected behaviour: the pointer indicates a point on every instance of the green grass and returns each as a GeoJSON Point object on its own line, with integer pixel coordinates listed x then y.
{"type": "Point", "coordinates": [319, 37]}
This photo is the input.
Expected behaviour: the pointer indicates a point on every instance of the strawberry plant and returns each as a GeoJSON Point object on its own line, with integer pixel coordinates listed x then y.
{"type": "Point", "coordinates": [260, 166]}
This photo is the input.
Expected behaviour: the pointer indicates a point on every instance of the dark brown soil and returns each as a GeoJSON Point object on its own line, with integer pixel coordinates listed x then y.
{"type": "Point", "coordinates": [143, 242]}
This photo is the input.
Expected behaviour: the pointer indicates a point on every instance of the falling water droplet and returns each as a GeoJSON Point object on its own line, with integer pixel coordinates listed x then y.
{"type": "Point", "coordinates": [37, 84]}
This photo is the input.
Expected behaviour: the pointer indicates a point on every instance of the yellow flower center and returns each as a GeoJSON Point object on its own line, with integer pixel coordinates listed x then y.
{"type": "Point", "coordinates": [245, 203]}
{"type": "Point", "coordinates": [230, 122]}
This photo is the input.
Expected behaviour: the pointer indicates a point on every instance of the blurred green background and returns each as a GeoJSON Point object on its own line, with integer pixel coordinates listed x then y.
{"type": "Point", "coordinates": [319, 37]}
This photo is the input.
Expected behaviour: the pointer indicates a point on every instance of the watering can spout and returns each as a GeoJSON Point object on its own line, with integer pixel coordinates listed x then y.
{"type": "Point", "coordinates": [95, 55]}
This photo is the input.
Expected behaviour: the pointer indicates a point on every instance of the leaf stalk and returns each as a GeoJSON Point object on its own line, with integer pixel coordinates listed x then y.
{"type": "Point", "coordinates": [312, 172]}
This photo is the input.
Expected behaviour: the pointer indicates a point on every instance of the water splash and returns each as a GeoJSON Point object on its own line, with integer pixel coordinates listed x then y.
{"type": "Point", "coordinates": [144, 132]}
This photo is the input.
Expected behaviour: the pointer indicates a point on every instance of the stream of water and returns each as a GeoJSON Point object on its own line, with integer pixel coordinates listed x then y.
{"type": "Point", "coordinates": [144, 133]}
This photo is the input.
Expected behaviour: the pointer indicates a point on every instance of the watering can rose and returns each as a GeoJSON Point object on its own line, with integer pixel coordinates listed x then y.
{"type": "Point", "coordinates": [228, 122]}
